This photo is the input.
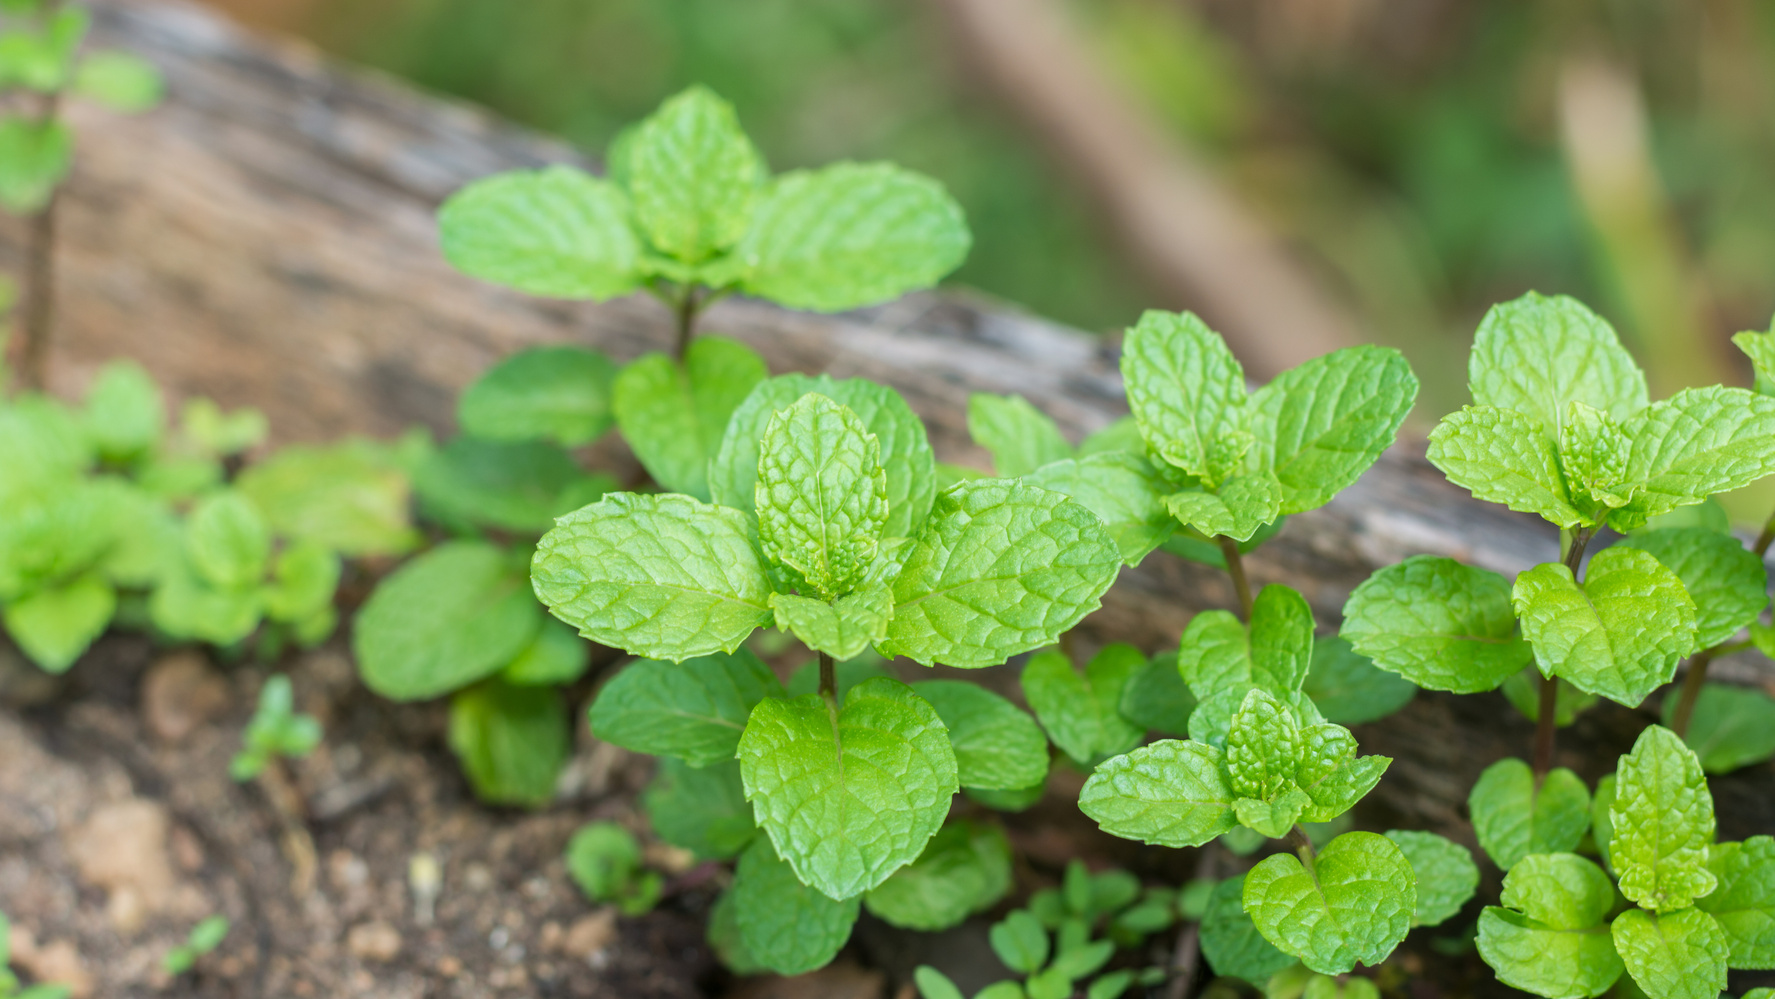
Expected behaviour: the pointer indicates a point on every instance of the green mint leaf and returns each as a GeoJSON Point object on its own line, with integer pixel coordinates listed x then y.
{"type": "Point", "coordinates": [966, 868]}
{"type": "Point", "coordinates": [1331, 774]}
{"type": "Point", "coordinates": [841, 629]}
{"type": "Point", "coordinates": [1123, 489]}
{"type": "Point", "coordinates": [1216, 655]}
{"type": "Point", "coordinates": [1726, 580]}
{"type": "Point", "coordinates": [1438, 623]}
{"type": "Point", "coordinates": [303, 578]}
{"type": "Point", "coordinates": [1447, 876]}
{"type": "Point", "coordinates": [512, 741]}
{"type": "Point", "coordinates": [56, 624]}
{"type": "Point", "coordinates": [821, 496]}
{"type": "Point", "coordinates": [1081, 712]}
{"type": "Point", "coordinates": [1348, 688]}
{"type": "Point", "coordinates": [660, 576]}
{"type": "Point", "coordinates": [1730, 727]}
{"type": "Point", "coordinates": [673, 416]}
{"type": "Point", "coordinates": [1512, 818]}
{"type": "Point", "coordinates": [1320, 425]}
{"type": "Point", "coordinates": [1020, 941]}
{"type": "Point", "coordinates": [1663, 822]}
{"type": "Point", "coordinates": [1524, 693]}
{"type": "Point", "coordinates": [217, 433]}
{"type": "Point", "coordinates": [1186, 391]}
{"type": "Point", "coordinates": [1262, 745]}
{"type": "Point", "coordinates": [785, 925]}
{"type": "Point", "coordinates": [119, 81]}
{"type": "Point", "coordinates": [556, 656]}
{"type": "Point", "coordinates": [694, 710]}
{"type": "Point", "coordinates": [125, 414]}
{"type": "Point", "coordinates": [1119, 435]}
{"type": "Point", "coordinates": [1744, 902]}
{"type": "Point", "coordinates": [1672, 955]}
{"type": "Point", "coordinates": [905, 449]}
{"type": "Point", "coordinates": [1245, 503]}
{"type": "Point", "coordinates": [227, 541]}
{"type": "Point", "coordinates": [933, 984]}
{"type": "Point", "coordinates": [557, 231]}
{"type": "Point", "coordinates": [185, 605]}
{"type": "Point", "coordinates": [1595, 454]}
{"type": "Point", "coordinates": [849, 795]}
{"type": "Point", "coordinates": [1230, 940]}
{"type": "Point", "coordinates": [997, 746]}
{"type": "Point", "coordinates": [1760, 348]}
{"type": "Point", "coordinates": [723, 936]}
{"type": "Point", "coordinates": [693, 176]}
{"type": "Point", "coordinates": [1602, 830]}
{"type": "Point", "coordinates": [35, 158]}
{"type": "Point", "coordinates": [700, 810]}
{"type": "Point", "coordinates": [602, 859]}
{"type": "Point", "coordinates": [1156, 698]}
{"type": "Point", "coordinates": [851, 234]}
{"type": "Point", "coordinates": [1020, 437]}
{"type": "Point", "coordinates": [1552, 940]}
{"type": "Point", "coordinates": [1169, 793]}
{"type": "Point", "coordinates": [1694, 444]}
{"type": "Point", "coordinates": [1620, 634]}
{"type": "Point", "coordinates": [453, 615]}
{"type": "Point", "coordinates": [1213, 718]}
{"type": "Point", "coordinates": [510, 485]}
{"type": "Point", "coordinates": [350, 497]}
{"type": "Point", "coordinates": [560, 394]}
{"type": "Point", "coordinates": [1538, 353]}
{"type": "Point", "coordinates": [999, 568]}
{"type": "Point", "coordinates": [1354, 905]}
{"type": "Point", "coordinates": [1275, 816]}
{"type": "Point", "coordinates": [1503, 456]}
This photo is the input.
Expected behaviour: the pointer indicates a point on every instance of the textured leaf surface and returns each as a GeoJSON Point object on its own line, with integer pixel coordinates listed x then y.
{"type": "Point", "coordinates": [849, 799]}
{"type": "Point", "coordinates": [1662, 820]}
{"type": "Point", "coordinates": [965, 869]}
{"type": "Point", "coordinates": [1512, 818]}
{"type": "Point", "coordinates": [783, 924]}
{"type": "Point", "coordinates": [1555, 943]}
{"type": "Point", "coordinates": [1331, 773]}
{"type": "Point", "coordinates": [821, 496]}
{"type": "Point", "coordinates": [1538, 353]}
{"type": "Point", "coordinates": [512, 741]}
{"type": "Point", "coordinates": [1020, 437]}
{"type": "Point", "coordinates": [1672, 955]}
{"type": "Point", "coordinates": [1185, 388]}
{"type": "Point", "coordinates": [1169, 793]}
{"type": "Point", "coordinates": [841, 629]}
{"type": "Point", "coordinates": [673, 416]}
{"type": "Point", "coordinates": [1726, 580]}
{"type": "Point", "coordinates": [1744, 902]}
{"type": "Point", "coordinates": [1230, 940]}
{"type": "Point", "coordinates": [557, 231]}
{"type": "Point", "coordinates": [1619, 635]}
{"type": "Point", "coordinates": [1081, 712]}
{"type": "Point", "coordinates": [1348, 688]}
{"type": "Point", "coordinates": [1216, 653]}
{"type": "Point", "coordinates": [1320, 425]}
{"type": "Point", "coordinates": [851, 234]}
{"type": "Point", "coordinates": [1353, 906]}
{"type": "Point", "coordinates": [997, 746]}
{"type": "Point", "coordinates": [1447, 876]}
{"type": "Point", "coordinates": [444, 620]}
{"type": "Point", "coordinates": [1730, 727]}
{"type": "Point", "coordinates": [1000, 568]}
{"type": "Point", "coordinates": [1694, 444]}
{"type": "Point", "coordinates": [1242, 506]}
{"type": "Point", "coordinates": [1262, 747]}
{"type": "Point", "coordinates": [693, 175]}
{"type": "Point", "coordinates": [1438, 623]}
{"type": "Point", "coordinates": [1503, 456]}
{"type": "Point", "coordinates": [694, 710]}
{"type": "Point", "coordinates": [560, 394]}
{"type": "Point", "coordinates": [1124, 491]}
{"type": "Point", "coordinates": [700, 810]}
{"type": "Point", "coordinates": [661, 576]}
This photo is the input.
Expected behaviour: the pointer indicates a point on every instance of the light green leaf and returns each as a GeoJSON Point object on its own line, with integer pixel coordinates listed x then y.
{"type": "Point", "coordinates": [1348, 688]}
{"type": "Point", "coordinates": [1212, 718]}
{"type": "Point", "coordinates": [1320, 425]}
{"type": "Point", "coordinates": [350, 497]}
{"type": "Point", "coordinates": [217, 433]}
{"type": "Point", "coordinates": [1156, 698]}
{"type": "Point", "coordinates": [227, 541]}
{"type": "Point", "coordinates": [694, 710]}
{"type": "Point", "coordinates": [604, 860]}
{"type": "Point", "coordinates": [1447, 876]}
{"type": "Point", "coordinates": [905, 449]}
{"type": "Point", "coordinates": [1020, 437]}
{"type": "Point", "coordinates": [1020, 941]}
{"type": "Point", "coordinates": [1595, 455]}
{"type": "Point", "coordinates": [55, 625]}
{"type": "Point", "coordinates": [1215, 654]}
{"type": "Point", "coordinates": [1538, 353]}
{"type": "Point", "coordinates": [557, 231]}
{"type": "Point", "coordinates": [511, 485]}
{"type": "Point", "coordinates": [1119, 435]}
{"type": "Point", "coordinates": [1081, 712]}
{"type": "Point", "coordinates": [1186, 391]}
{"type": "Point", "coordinates": [1262, 746]}
{"type": "Point", "coordinates": [999, 568]}
{"type": "Point", "coordinates": [703, 811]}
{"type": "Point", "coordinates": [1663, 822]}
{"type": "Point", "coordinates": [661, 576]}
{"type": "Point", "coordinates": [185, 605]}
{"type": "Point", "coordinates": [1244, 504]}
{"type": "Point", "coordinates": [1438, 623]}
{"type": "Point", "coordinates": [1230, 940]}
{"type": "Point", "coordinates": [821, 496]}
{"type": "Point", "coordinates": [453, 615]}
{"type": "Point", "coordinates": [673, 416]}
{"type": "Point", "coordinates": [119, 81]}
{"type": "Point", "coordinates": [1620, 634]}
{"type": "Point", "coordinates": [1602, 830]}
{"type": "Point", "coordinates": [303, 578]}
{"type": "Point", "coordinates": [34, 160]}
{"type": "Point", "coordinates": [41, 57]}
{"type": "Point", "coordinates": [1272, 817]}
{"type": "Point", "coordinates": [1760, 348]}
{"type": "Point", "coordinates": [1694, 444]}
{"type": "Point", "coordinates": [1744, 902]}
{"type": "Point", "coordinates": [933, 984]}
{"type": "Point", "coordinates": [693, 176]}
{"type": "Point", "coordinates": [849, 795]}
{"type": "Point", "coordinates": [556, 656]}
{"type": "Point", "coordinates": [1513, 818]}
{"type": "Point", "coordinates": [125, 414]}
{"type": "Point", "coordinates": [1730, 727]}
{"type": "Point", "coordinates": [1123, 489]}
{"type": "Point", "coordinates": [785, 925]}
{"type": "Point", "coordinates": [841, 629]}
{"type": "Point", "coordinates": [1503, 456]}
{"type": "Point", "coordinates": [1170, 793]}
{"type": "Point", "coordinates": [1672, 955]}
{"type": "Point", "coordinates": [1354, 905]}
{"type": "Point", "coordinates": [997, 746]}
{"type": "Point", "coordinates": [1557, 944]}
{"type": "Point", "coordinates": [965, 869]}
{"type": "Point", "coordinates": [512, 741]}
{"type": "Point", "coordinates": [1331, 774]}
{"type": "Point", "coordinates": [849, 235]}
{"type": "Point", "coordinates": [560, 394]}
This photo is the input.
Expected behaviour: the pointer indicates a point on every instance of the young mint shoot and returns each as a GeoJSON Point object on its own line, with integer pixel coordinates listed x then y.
{"type": "Point", "coordinates": [277, 730]}
{"type": "Point", "coordinates": [604, 860]}
{"type": "Point", "coordinates": [205, 937]}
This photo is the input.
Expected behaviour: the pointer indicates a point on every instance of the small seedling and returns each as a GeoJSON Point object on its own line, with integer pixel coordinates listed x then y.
{"type": "Point", "coordinates": [205, 937]}
{"type": "Point", "coordinates": [604, 859]}
{"type": "Point", "coordinates": [276, 730]}
{"type": "Point", "coordinates": [9, 984]}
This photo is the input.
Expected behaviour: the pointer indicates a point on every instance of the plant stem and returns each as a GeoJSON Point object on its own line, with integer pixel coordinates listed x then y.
{"type": "Point", "coordinates": [1235, 567]}
{"type": "Point", "coordinates": [1547, 713]}
{"type": "Point", "coordinates": [37, 300]}
{"type": "Point", "coordinates": [1766, 538]}
{"type": "Point", "coordinates": [1187, 954]}
{"type": "Point", "coordinates": [1692, 684]}
{"type": "Point", "coordinates": [1302, 844]}
{"type": "Point", "coordinates": [686, 314]}
{"type": "Point", "coordinates": [828, 678]}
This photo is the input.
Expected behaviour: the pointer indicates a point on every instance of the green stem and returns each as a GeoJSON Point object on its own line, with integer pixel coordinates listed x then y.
{"type": "Point", "coordinates": [1235, 567]}
{"type": "Point", "coordinates": [1302, 844]}
{"type": "Point", "coordinates": [1547, 712]}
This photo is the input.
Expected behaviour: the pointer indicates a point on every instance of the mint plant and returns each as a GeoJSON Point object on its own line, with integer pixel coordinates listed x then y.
{"type": "Point", "coordinates": [276, 731]}
{"type": "Point", "coordinates": [42, 63]}
{"type": "Point", "coordinates": [604, 860]}
{"type": "Point", "coordinates": [205, 937]}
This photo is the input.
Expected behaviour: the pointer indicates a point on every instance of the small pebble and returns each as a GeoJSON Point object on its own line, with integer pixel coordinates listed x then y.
{"type": "Point", "coordinates": [376, 941]}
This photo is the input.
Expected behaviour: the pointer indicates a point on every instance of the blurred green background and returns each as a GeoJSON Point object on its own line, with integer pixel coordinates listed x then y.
{"type": "Point", "coordinates": [1420, 159]}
